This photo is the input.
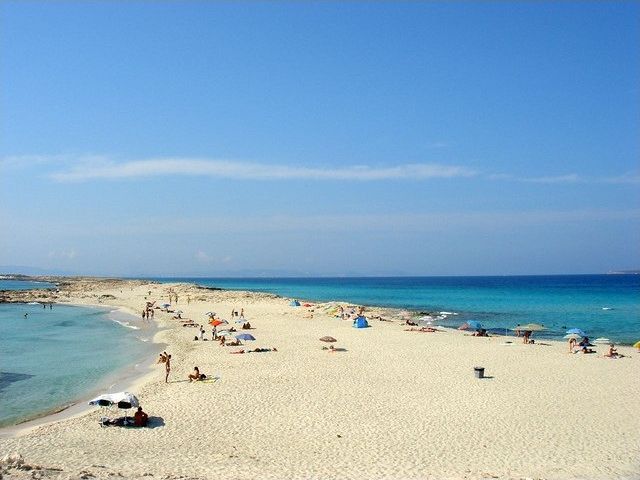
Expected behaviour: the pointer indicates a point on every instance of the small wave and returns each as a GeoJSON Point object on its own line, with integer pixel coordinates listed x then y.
{"type": "Point", "coordinates": [607, 308]}
{"type": "Point", "coordinates": [448, 313]}
{"type": "Point", "coordinates": [33, 303]}
{"type": "Point", "coordinates": [128, 325]}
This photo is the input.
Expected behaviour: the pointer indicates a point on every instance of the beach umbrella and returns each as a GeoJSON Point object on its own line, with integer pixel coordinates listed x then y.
{"type": "Point", "coordinates": [575, 336]}
{"type": "Point", "coordinates": [531, 327]}
{"type": "Point", "coordinates": [165, 305]}
{"type": "Point", "coordinates": [123, 400]}
{"type": "Point", "coordinates": [245, 336]}
{"type": "Point", "coordinates": [115, 398]}
{"type": "Point", "coordinates": [211, 314]}
{"type": "Point", "coordinates": [328, 339]}
{"type": "Point", "coordinates": [294, 303]}
{"type": "Point", "coordinates": [576, 331]}
{"type": "Point", "coordinates": [471, 325]}
{"type": "Point", "coordinates": [474, 324]}
{"type": "Point", "coordinates": [637, 344]}
{"type": "Point", "coordinates": [215, 323]}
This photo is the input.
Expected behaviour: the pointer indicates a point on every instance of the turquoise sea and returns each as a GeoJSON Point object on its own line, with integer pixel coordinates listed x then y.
{"type": "Point", "coordinates": [53, 357]}
{"type": "Point", "coordinates": [601, 305]}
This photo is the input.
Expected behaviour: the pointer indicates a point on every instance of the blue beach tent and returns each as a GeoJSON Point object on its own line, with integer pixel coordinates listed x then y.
{"type": "Point", "coordinates": [360, 322]}
{"type": "Point", "coordinates": [294, 303]}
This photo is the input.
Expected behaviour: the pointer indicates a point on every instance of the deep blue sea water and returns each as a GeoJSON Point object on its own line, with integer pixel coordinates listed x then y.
{"type": "Point", "coordinates": [55, 356]}
{"type": "Point", "coordinates": [23, 285]}
{"type": "Point", "coordinates": [556, 301]}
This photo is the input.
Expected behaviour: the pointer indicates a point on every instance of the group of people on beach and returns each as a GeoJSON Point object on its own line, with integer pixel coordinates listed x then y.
{"type": "Point", "coordinates": [148, 311]}
{"type": "Point", "coordinates": [585, 344]}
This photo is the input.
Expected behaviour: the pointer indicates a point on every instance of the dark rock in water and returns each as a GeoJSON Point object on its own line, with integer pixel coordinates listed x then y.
{"type": "Point", "coordinates": [64, 323]}
{"type": "Point", "coordinates": [7, 378]}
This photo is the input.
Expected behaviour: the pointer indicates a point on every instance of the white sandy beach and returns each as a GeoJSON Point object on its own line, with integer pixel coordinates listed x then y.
{"type": "Point", "coordinates": [394, 405]}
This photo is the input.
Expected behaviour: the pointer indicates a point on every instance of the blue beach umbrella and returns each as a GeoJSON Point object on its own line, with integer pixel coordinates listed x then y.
{"type": "Point", "coordinates": [474, 325]}
{"type": "Point", "coordinates": [245, 336]}
{"type": "Point", "coordinates": [577, 331]}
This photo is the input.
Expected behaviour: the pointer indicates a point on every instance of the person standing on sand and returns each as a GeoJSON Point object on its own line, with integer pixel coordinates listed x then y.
{"type": "Point", "coordinates": [167, 369]}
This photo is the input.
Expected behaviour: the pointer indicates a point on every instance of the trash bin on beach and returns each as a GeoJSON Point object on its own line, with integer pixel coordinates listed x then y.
{"type": "Point", "coordinates": [479, 371]}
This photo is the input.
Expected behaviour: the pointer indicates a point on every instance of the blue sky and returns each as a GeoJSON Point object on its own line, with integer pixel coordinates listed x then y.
{"type": "Point", "coordinates": [203, 138]}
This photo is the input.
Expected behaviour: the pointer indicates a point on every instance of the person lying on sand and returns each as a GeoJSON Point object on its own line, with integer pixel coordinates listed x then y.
{"type": "Point", "coordinates": [260, 350]}
{"type": "Point", "coordinates": [235, 343]}
{"type": "Point", "coordinates": [421, 329]}
{"type": "Point", "coordinates": [585, 349]}
{"type": "Point", "coordinates": [237, 352]}
{"type": "Point", "coordinates": [196, 375]}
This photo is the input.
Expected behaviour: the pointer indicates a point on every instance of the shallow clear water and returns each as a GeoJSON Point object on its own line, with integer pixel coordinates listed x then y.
{"type": "Point", "coordinates": [556, 301]}
{"type": "Point", "coordinates": [55, 356]}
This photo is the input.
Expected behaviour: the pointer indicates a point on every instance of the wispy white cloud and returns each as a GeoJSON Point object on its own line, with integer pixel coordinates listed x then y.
{"type": "Point", "coordinates": [627, 178]}
{"type": "Point", "coordinates": [63, 254]}
{"type": "Point", "coordinates": [558, 179]}
{"type": "Point", "coordinates": [108, 170]}
{"type": "Point", "coordinates": [83, 168]}
{"type": "Point", "coordinates": [570, 178]}
{"type": "Point", "coordinates": [203, 257]}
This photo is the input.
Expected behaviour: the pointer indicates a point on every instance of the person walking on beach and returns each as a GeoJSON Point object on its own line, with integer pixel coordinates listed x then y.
{"type": "Point", "coordinates": [167, 369]}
